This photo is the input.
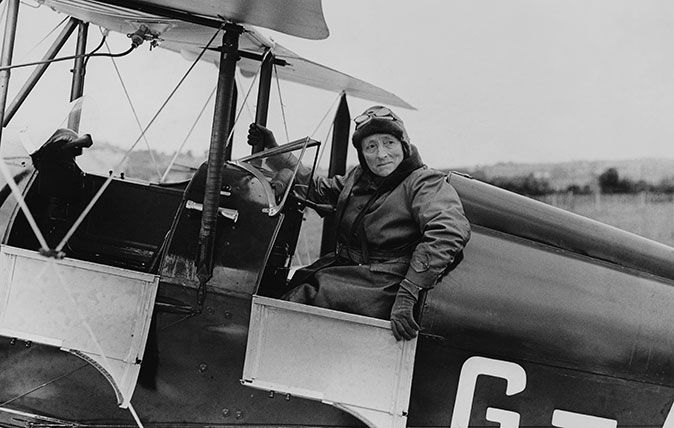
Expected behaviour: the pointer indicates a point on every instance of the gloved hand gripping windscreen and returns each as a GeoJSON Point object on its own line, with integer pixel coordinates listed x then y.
{"type": "Point", "coordinates": [283, 165]}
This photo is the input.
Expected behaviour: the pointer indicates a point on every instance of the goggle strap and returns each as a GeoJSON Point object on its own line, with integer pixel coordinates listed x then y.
{"type": "Point", "coordinates": [369, 118]}
{"type": "Point", "coordinates": [382, 112]}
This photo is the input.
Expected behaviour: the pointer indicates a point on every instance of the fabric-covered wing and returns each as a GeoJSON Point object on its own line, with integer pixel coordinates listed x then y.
{"type": "Point", "coordinates": [299, 70]}
{"type": "Point", "coordinates": [301, 18]}
{"type": "Point", "coordinates": [306, 72]}
{"type": "Point", "coordinates": [189, 39]}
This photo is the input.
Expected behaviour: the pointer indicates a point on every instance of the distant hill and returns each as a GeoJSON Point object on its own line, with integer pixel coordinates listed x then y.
{"type": "Point", "coordinates": [561, 175]}
{"type": "Point", "coordinates": [141, 164]}
{"type": "Point", "coordinates": [102, 157]}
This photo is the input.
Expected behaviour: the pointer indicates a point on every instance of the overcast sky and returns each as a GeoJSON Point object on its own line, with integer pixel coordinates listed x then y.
{"type": "Point", "coordinates": [492, 81]}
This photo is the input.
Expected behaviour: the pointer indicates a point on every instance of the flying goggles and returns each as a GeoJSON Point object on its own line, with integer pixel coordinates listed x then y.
{"type": "Point", "coordinates": [378, 113]}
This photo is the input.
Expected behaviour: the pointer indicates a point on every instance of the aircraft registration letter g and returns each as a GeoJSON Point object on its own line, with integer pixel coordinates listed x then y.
{"type": "Point", "coordinates": [513, 373]}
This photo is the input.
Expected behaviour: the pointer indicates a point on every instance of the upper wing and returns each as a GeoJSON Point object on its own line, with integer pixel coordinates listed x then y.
{"type": "Point", "coordinates": [301, 18]}
{"type": "Point", "coordinates": [304, 71]}
{"type": "Point", "coordinates": [184, 32]}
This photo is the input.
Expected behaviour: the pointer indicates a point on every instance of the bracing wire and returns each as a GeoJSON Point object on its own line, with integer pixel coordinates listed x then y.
{"type": "Point", "coordinates": [87, 326]}
{"type": "Point", "coordinates": [327, 138]}
{"type": "Point", "coordinates": [30, 51]}
{"type": "Point", "coordinates": [107, 182]}
{"type": "Point", "coordinates": [318, 161]}
{"type": "Point", "coordinates": [52, 262]}
{"type": "Point", "coordinates": [332, 124]}
{"type": "Point", "coordinates": [22, 204]}
{"type": "Point", "coordinates": [248, 110]}
{"type": "Point", "coordinates": [135, 415]}
{"type": "Point", "coordinates": [243, 103]}
{"type": "Point", "coordinates": [42, 385]}
{"type": "Point", "coordinates": [189, 134]}
{"type": "Point", "coordinates": [135, 114]}
{"type": "Point", "coordinates": [53, 30]}
{"type": "Point", "coordinates": [285, 125]}
{"type": "Point", "coordinates": [303, 236]}
{"type": "Point", "coordinates": [326, 114]}
{"type": "Point", "coordinates": [238, 114]}
{"type": "Point", "coordinates": [3, 25]}
{"type": "Point", "coordinates": [283, 111]}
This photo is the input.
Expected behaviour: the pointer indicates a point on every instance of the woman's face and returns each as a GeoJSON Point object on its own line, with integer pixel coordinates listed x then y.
{"type": "Point", "coordinates": [383, 153]}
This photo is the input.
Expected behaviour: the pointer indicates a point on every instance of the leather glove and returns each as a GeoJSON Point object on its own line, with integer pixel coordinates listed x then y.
{"type": "Point", "coordinates": [259, 136]}
{"type": "Point", "coordinates": [403, 324]}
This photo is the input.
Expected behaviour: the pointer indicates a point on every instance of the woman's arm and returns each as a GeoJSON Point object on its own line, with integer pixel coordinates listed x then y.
{"type": "Point", "coordinates": [445, 230]}
{"type": "Point", "coordinates": [443, 224]}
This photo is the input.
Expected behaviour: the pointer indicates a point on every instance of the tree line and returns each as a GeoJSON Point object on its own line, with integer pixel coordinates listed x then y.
{"type": "Point", "coordinates": [608, 181]}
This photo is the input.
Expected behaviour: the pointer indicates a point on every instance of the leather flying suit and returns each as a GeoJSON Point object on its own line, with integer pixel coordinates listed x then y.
{"type": "Point", "coordinates": [413, 231]}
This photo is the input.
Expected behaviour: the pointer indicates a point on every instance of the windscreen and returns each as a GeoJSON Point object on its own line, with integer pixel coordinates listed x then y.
{"type": "Point", "coordinates": [282, 169]}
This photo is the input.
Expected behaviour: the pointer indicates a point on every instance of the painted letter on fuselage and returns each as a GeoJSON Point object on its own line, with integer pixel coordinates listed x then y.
{"type": "Point", "coordinates": [505, 418]}
{"type": "Point", "coordinates": [513, 373]}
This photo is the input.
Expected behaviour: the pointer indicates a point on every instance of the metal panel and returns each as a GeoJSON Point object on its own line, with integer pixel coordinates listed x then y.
{"type": "Point", "coordinates": [349, 361]}
{"type": "Point", "coordinates": [100, 313]}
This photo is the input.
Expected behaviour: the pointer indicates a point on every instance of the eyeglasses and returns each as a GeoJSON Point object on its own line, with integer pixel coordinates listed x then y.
{"type": "Point", "coordinates": [378, 113]}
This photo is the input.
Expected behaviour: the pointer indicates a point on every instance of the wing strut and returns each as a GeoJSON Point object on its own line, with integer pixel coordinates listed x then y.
{"type": "Point", "coordinates": [39, 70]}
{"type": "Point", "coordinates": [77, 88]}
{"type": "Point", "coordinates": [222, 125]}
{"type": "Point", "coordinates": [339, 147]}
{"type": "Point", "coordinates": [7, 53]}
{"type": "Point", "coordinates": [262, 110]}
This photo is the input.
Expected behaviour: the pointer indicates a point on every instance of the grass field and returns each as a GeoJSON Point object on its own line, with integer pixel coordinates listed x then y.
{"type": "Point", "coordinates": [648, 215]}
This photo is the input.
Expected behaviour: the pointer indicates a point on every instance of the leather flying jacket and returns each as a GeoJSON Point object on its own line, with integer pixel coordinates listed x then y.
{"type": "Point", "coordinates": [420, 223]}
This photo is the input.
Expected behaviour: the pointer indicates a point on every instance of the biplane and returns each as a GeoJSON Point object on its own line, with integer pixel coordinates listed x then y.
{"type": "Point", "coordinates": [130, 303]}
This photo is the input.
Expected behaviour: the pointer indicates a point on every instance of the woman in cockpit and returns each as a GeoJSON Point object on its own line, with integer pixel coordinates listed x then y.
{"type": "Point", "coordinates": [401, 226]}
